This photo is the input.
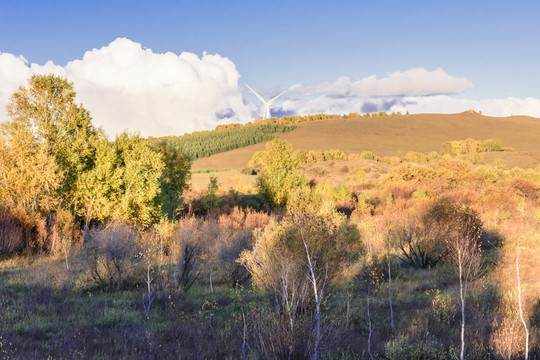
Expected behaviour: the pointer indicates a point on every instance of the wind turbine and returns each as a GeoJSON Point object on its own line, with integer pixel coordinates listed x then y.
{"type": "Point", "coordinates": [267, 104]}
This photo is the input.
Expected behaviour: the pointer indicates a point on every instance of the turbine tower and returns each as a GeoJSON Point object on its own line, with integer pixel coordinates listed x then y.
{"type": "Point", "coordinates": [267, 104]}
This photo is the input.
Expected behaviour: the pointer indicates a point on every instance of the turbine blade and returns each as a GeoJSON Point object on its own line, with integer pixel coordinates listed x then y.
{"type": "Point", "coordinates": [257, 95]}
{"type": "Point", "coordinates": [275, 97]}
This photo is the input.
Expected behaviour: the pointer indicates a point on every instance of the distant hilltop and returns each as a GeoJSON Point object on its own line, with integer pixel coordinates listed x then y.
{"type": "Point", "coordinates": [471, 111]}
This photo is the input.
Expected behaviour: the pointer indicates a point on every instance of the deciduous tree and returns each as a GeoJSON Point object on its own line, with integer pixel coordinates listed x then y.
{"type": "Point", "coordinates": [279, 175]}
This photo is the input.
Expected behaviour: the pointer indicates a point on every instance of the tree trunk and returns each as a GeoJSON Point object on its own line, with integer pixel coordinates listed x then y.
{"type": "Point", "coordinates": [148, 281]}
{"type": "Point", "coordinates": [369, 325]}
{"type": "Point", "coordinates": [390, 296]}
{"type": "Point", "coordinates": [161, 250]}
{"type": "Point", "coordinates": [462, 297]}
{"type": "Point", "coordinates": [348, 309]}
{"type": "Point", "coordinates": [66, 254]}
{"type": "Point", "coordinates": [318, 297]}
{"type": "Point", "coordinates": [244, 336]}
{"type": "Point", "coordinates": [85, 230]}
{"type": "Point", "coordinates": [521, 307]}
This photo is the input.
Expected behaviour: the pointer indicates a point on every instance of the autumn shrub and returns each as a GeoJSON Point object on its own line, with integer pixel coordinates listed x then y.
{"type": "Point", "coordinates": [489, 145]}
{"type": "Point", "coordinates": [507, 337]}
{"type": "Point", "coordinates": [11, 236]}
{"type": "Point", "coordinates": [490, 173]}
{"type": "Point", "coordinates": [390, 160]}
{"type": "Point", "coordinates": [365, 205]}
{"type": "Point", "coordinates": [301, 156]}
{"type": "Point", "coordinates": [425, 348]}
{"type": "Point", "coordinates": [420, 194]}
{"type": "Point", "coordinates": [409, 172]}
{"type": "Point", "coordinates": [112, 255]}
{"type": "Point", "coordinates": [341, 193]}
{"type": "Point", "coordinates": [307, 250]}
{"type": "Point", "coordinates": [227, 250]}
{"type": "Point", "coordinates": [525, 187]}
{"type": "Point", "coordinates": [256, 219]}
{"type": "Point", "coordinates": [420, 236]}
{"type": "Point", "coordinates": [368, 155]}
{"type": "Point", "coordinates": [334, 155]}
{"type": "Point", "coordinates": [399, 190]}
{"type": "Point", "coordinates": [21, 230]}
{"type": "Point", "coordinates": [532, 174]}
{"type": "Point", "coordinates": [454, 148]}
{"type": "Point", "coordinates": [413, 156]}
{"type": "Point", "coordinates": [467, 197]}
{"type": "Point", "coordinates": [192, 241]}
{"type": "Point", "coordinates": [443, 307]}
{"type": "Point", "coordinates": [433, 155]}
{"type": "Point", "coordinates": [315, 156]}
{"type": "Point", "coordinates": [236, 235]}
{"type": "Point", "coordinates": [471, 146]}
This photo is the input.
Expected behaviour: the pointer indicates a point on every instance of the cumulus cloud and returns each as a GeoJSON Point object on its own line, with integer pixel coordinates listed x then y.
{"type": "Point", "coordinates": [371, 94]}
{"type": "Point", "coordinates": [127, 86]}
{"type": "Point", "coordinates": [413, 82]}
{"type": "Point", "coordinates": [447, 104]}
{"type": "Point", "coordinates": [416, 90]}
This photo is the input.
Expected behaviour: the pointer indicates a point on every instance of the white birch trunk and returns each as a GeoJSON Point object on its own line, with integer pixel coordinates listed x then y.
{"type": "Point", "coordinates": [521, 307]}
{"type": "Point", "coordinates": [66, 255]}
{"type": "Point", "coordinates": [462, 298]}
{"type": "Point", "coordinates": [390, 296]}
{"type": "Point", "coordinates": [317, 300]}
{"type": "Point", "coordinates": [244, 335]}
{"type": "Point", "coordinates": [369, 325]}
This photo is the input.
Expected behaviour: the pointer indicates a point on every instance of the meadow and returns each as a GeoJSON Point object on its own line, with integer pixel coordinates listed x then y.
{"type": "Point", "coordinates": [347, 237]}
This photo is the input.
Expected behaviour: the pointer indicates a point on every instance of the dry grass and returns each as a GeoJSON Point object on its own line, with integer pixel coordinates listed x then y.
{"type": "Point", "coordinates": [234, 179]}
{"type": "Point", "coordinates": [384, 136]}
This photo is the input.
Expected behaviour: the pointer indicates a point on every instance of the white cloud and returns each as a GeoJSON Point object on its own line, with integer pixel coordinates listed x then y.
{"type": "Point", "coordinates": [416, 90]}
{"type": "Point", "coordinates": [126, 86]}
{"type": "Point", "coordinates": [413, 82]}
{"type": "Point", "coordinates": [413, 104]}
{"type": "Point", "coordinates": [492, 107]}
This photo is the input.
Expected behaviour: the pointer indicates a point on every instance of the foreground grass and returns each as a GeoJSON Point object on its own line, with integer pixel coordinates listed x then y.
{"type": "Point", "coordinates": [49, 312]}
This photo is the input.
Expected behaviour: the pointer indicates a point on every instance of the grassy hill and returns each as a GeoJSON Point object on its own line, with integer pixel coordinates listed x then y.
{"type": "Point", "coordinates": [385, 135]}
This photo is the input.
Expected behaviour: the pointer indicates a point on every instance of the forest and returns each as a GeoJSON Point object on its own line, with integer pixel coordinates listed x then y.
{"type": "Point", "coordinates": [223, 138]}
{"type": "Point", "coordinates": [104, 252]}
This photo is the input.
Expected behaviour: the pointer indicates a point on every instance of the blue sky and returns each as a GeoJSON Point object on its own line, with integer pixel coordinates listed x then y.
{"type": "Point", "coordinates": [277, 44]}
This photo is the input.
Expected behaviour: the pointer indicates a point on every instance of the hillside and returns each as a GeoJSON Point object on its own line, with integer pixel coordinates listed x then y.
{"type": "Point", "coordinates": [385, 135]}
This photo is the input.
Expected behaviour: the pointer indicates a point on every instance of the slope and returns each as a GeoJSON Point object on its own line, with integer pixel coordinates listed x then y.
{"type": "Point", "coordinates": [386, 135]}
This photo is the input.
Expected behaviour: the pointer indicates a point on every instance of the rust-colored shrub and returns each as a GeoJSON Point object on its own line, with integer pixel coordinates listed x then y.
{"type": "Point", "coordinates": [11, 236]}
{"type": "Point", "coordinates": [112, 255]}
{"type": "Point", "coordinates": [399, 190]}
{"type": "Point", "coordinates": [525, 187]}
{"type": "Point", "coordinates": [20, 230]}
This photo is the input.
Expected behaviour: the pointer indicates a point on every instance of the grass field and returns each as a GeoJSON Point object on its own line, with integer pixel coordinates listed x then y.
{"type": "Point", "coordinates": [385, 136]}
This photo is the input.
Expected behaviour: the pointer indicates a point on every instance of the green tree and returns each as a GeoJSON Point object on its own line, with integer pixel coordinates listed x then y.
{"type": "Point", "coordinates": [211, 200]}
{"type": "Point", "coordinates": [29, 176]}
{"type": "Point", "coordinates": [280, 173]}
{"type": "Point", "coordinates": [54, 159]}
{"type": "Point", "coordinates": [100, 187]}
{"type": "Point", "coordinates": [140, 169]}
{"type": "Point", "coordinates": [46, 113]}
{"type": "Point", "coordinates": [125, 183]}
{"type": "Point", "coordinates": [175, 176]}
